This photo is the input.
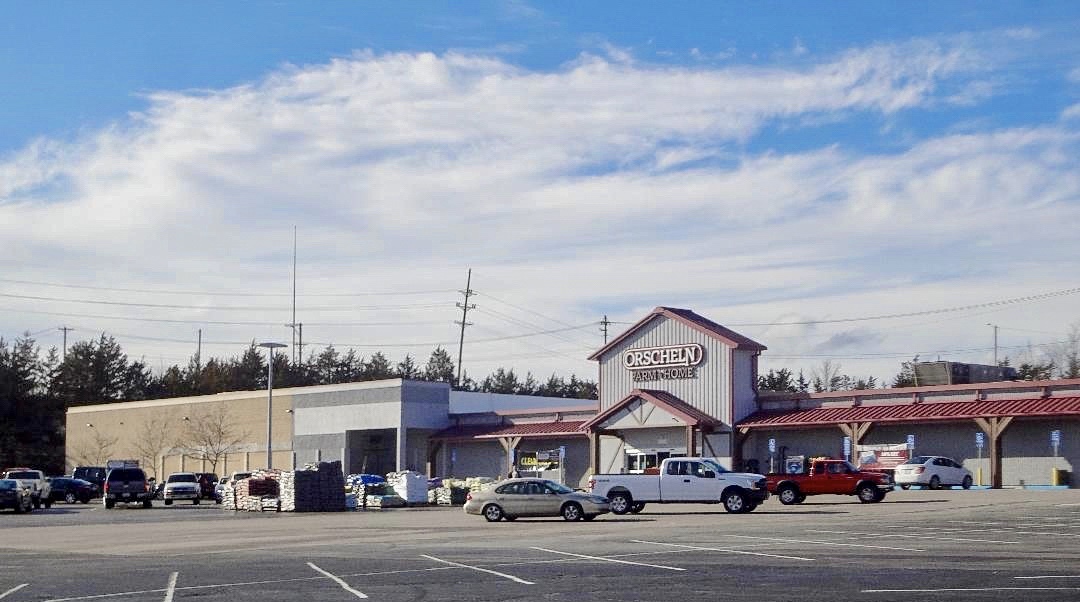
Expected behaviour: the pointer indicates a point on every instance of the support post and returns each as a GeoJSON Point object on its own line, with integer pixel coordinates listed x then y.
{"type": "Point", "coordinates": [994, 428]}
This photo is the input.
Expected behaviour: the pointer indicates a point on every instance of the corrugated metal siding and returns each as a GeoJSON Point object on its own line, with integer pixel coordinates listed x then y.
{"type": "Point", "coordinates": [708, 392]}
{"type": "Point", "coordinates": [920, 411]}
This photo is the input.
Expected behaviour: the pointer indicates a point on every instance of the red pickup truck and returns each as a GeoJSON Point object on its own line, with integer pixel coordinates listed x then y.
{"type": "Point", "coordinates": [830, 476]}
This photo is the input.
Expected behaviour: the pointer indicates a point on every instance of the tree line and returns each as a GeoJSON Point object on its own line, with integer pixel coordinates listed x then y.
{"type": "Point", "coordinates": [36, 387]}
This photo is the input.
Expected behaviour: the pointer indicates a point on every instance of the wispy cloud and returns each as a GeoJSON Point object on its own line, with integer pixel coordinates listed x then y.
{"type": "Point", "coordinates": [569, 188]}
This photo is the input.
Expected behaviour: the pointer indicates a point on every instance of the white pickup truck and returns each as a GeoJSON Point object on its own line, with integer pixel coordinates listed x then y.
{"type": "Point", "coordinates": [682, 481]}
{"type": "Point", "coordinates": [33, 481]}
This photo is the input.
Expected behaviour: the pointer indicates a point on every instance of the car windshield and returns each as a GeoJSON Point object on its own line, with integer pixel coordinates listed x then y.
{"type": "Point", "coordinates": [558, 487]}
{"type": "Point", "coordinates": [181, 478]}
{"type": "Point", "coordinates": [919, 460]}
{"type": "Point", "coordinates": [714, 466]}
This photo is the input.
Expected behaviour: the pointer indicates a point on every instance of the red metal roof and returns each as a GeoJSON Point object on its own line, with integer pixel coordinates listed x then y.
{"type": "Point", "coordinates": [918, 412]}
{"type": "Point", "coordinates": [561, 428]}
{"type": "Point", "coordinates": [692, 320]}
{"type": "Point", "coordinates": [688, 413]}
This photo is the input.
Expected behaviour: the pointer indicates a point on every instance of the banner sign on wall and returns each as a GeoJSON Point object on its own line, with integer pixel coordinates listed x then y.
{"type": "Point", "coordinates": [884, 456]}
{"type": "Point", "coordinates": [535, 461]}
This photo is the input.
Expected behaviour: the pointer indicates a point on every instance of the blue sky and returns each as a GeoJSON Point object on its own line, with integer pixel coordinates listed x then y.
{"type": "Point", "coordinates": [796, 161]}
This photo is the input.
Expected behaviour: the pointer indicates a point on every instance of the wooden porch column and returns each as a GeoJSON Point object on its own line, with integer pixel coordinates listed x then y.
{"type": "Point", "coordinates": [510, 445]}
{"type": "Point", "coordinates": [855, 431]}
{"type": "Point", "coordinates": [994, 428]}
{"type": "Point", "coordinates": [738, 438]}
{"type": "Point", "coordinates": [594, 452]}
{"type": "Point", "coordinates": [432, 456]}
{"type": "Point", "coordinates": [691, 444]}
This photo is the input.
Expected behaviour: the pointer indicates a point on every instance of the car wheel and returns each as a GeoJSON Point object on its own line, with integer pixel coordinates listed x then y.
{"type": "Point", "coordinates": [636, 508]}
{"type": "Point", "coordinates": [905, 487]}
{"type": "Point", "coordinates": [69, 497]}
{"type": "Point", "coordinates": [48, 504]}
{"type": "Point", "coordinates": [935, 482]}
{"type": "Point", "coordinates": [867, 493]}
{"type": "Point", "coordinates": [621, 503]}
{"type": "Point", "coordinates": [147, 504]}
{"type": "Point", "coordinates": [168, 502]}
{"type": "Point", "coordinates": [195, 502]}
{"type": "Point", "coordinates": [109, 504]}
{"type": "Point", "coordinates": [735, 502]}
{"type": "Point", "coordinates": [572, 512]}
{"type": "Point", "coordinates": [801, 498]}
{"type": "Point", "coordinates": [21, 507]}
{"type": "Point", "coordinates": [492, 513]}
{"type": "Point", "coordinates": [788, 494]}
{"type": "Point", "coordinates": [967, 482]}
{"type": "Point", "coordinates": [37, 502]}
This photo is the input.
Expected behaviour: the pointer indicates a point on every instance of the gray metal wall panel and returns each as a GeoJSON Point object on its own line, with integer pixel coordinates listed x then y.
{"type": "Point", "coordinates": [311, 448]}
{"type": "Point", "coordinates": [347, 398]}
{"type": "Point", "coordinates": [484, 459]}
{"type": "Point", "coordinates": [709, 391]}
{"type": "Point", "coordinates": [429, 415]}
{"type": "Point", "coordinates": [339, 418]}
{"type": "Point", "coordinates": [745, 402]}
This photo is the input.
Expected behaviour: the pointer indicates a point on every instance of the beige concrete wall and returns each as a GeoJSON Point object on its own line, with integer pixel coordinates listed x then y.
{"type": "Point", "coordinates": [100, 432]}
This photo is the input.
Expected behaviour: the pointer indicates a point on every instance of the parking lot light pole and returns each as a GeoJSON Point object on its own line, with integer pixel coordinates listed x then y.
{"type": "Point", "coordinates": [270, 346]}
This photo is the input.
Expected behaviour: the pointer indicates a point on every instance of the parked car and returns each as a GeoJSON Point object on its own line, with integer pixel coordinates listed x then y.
{"type": "Point", "coordinates": [126, 486]}
{"type": "Point", "coordinates": [207, 484]}
{"type": "Point", "coordinates": [683, 481]}
{"type": "Point", "coordinates": [15, 496]}
{"type": "Point", "coordinates": [514, 498]}
{"type": "Point", "coordinates": [830, 476]}
{"type": "Point", "coordinates": [33, 481]}
{"type": "Point", "coordinates": [71, 490]}
{"type": "Point", "coordinates": [182, 486]}
{"type": "Point", "coordinates": [93, 474]}
{"type": "Point", "coordinates": [934, 472]}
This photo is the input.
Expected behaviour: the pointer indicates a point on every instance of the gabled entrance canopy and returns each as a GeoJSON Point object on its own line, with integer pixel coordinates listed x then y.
{"type": "Point", "coordinates": [649, 408]}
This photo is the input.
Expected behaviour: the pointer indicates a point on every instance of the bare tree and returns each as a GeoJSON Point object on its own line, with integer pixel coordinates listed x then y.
{"type": "Point", "coordinates": [212, 434]}
{"type": "Point", "coordinates": [94, 452]}
{"type": "Point", "coordinates": [156, 436]}
{"type": "Point", "coordinates": [1066, 354]}
{"type": "Point", "coordinates": [827, 377]}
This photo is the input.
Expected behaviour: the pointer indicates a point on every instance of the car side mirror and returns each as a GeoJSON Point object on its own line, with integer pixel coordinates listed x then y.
{"type": "Point", "coordinates": [709, 474]}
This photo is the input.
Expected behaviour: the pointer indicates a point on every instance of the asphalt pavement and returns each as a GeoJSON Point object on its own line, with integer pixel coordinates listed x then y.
{"type": "Point", "coordinates": [916, 545]}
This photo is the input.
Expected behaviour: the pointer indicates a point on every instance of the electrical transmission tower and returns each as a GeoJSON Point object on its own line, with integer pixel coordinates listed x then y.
{"type": "Point", "coordinates": [465, 307]}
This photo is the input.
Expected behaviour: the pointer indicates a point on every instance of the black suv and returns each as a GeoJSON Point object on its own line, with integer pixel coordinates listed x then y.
{"type": "Point", "coordinates": [128, 486]}
{"type": "Point", "coordinates": [93, 474]}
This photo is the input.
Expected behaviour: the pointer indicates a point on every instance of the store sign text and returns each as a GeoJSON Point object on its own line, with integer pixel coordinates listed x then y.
{"type": "Point", "coordinates": [662, 363]}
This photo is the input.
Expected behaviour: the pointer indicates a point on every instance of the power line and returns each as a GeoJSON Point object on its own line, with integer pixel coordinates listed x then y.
{"type": "Point", "coordinates": [214, 322]}
{"type": "Point", "coordinates": [1071, 291]}
{"type": "Point", "coordinates": [229, 307]}
{"type": "Point", "coordinates": [224, 293]}
{"type": "Point", "coordinates": [905, 354]}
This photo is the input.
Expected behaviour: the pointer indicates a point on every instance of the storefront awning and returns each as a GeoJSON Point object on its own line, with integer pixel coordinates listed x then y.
{"type": "Point", "coordinates": [917, 412]}
{"type": "Point", "coordinates": [560, 428]}
{"type": "Point", "coordinates": [677, 408]}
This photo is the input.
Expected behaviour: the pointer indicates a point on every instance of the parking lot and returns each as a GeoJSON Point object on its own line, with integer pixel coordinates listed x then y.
{"type": "Point", "coordinates": [923, 545]}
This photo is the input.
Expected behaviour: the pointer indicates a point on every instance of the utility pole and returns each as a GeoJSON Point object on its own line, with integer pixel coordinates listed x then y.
{"type": "Point", "coordinates": [465, 307]}
{"type": "Point", "coordinates": [65, 329]}
{"type": "Point", "coordinates": [603, 327]}
{"type": "Point", "coordinates": [995, 342]}
{"type": "Point", "coordinates": [292, 323]}
{"type": "Point", "coordinates": [198, 351]}
{"type": "Point", "coordinates": [300, 345]}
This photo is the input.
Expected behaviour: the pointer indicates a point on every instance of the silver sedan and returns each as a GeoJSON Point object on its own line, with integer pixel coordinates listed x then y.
{"type": "Point", "coordinates": [515, 498]}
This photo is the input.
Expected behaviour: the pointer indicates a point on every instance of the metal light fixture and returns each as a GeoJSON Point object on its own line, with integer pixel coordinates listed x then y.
{"type": "Point", "coordinates": [270, 346]}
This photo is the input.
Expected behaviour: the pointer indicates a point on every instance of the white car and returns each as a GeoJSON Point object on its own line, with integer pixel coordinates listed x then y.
{"type": "Point", "coordinates": [934, 472]}
{"type": "Point", "coordinates": [181, 486]}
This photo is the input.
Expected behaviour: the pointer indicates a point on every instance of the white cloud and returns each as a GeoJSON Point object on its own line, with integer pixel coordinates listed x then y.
{"type": "Point", "coordinates": [604, 184]}
{"type": "Point", "coordinates": [1071, 112]}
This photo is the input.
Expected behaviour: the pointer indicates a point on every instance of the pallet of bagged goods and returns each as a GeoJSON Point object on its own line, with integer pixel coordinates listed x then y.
{"type": "Point", "coordinates": [318, 488]}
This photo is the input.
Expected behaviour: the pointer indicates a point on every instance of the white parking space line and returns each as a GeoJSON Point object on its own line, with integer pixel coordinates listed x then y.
{"type": "Point", "coordinates": [708, 549]}
{"type": "Point", "coordinates": [13, 590]}
{"type": "Point", "coordinates": [969, 589]}
{"type": "Point", "coordinates": [1050, 577]}
{"type": "Point", "coordinates": [170, 589]}
{"type": "Point", "coordinates": [476, 568]}
{"type": "Point", "coordinates": [601, 558]}
{"type": "Point", "coordinates": [339, 581]}
{"type": "Point", "coordinates": [902, 535]}
{"type": "Point", "coordinates": [828, 543]}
